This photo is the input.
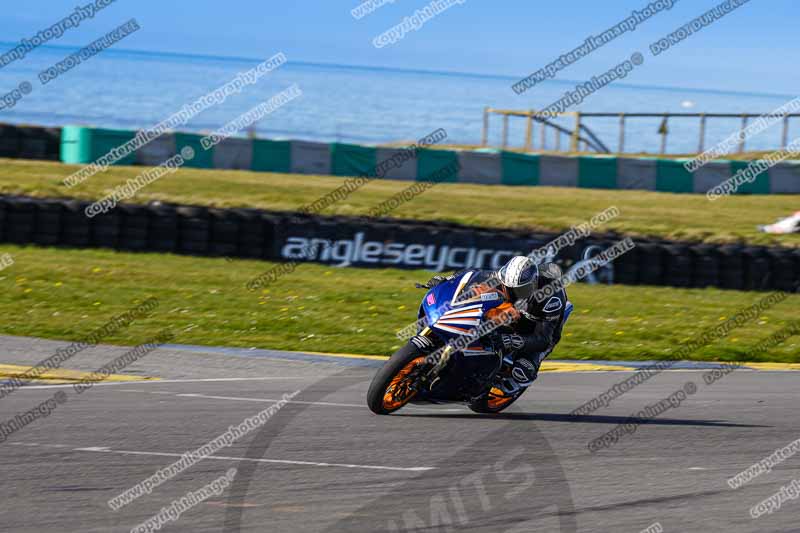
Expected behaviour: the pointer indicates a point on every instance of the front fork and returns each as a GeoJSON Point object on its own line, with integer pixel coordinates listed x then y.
{"type": "Point", "coordinates": [498, 379]}
{"type": "Point", "coordinates": [429, 379]}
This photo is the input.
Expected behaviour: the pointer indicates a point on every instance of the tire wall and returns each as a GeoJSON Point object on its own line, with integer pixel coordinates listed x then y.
{"type": "Point", "coordinates": [30, 142]}
{"type": "Point", "coordinates": [380, 243]}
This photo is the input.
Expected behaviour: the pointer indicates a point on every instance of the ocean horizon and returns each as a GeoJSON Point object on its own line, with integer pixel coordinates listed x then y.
{"type": "Point", "coordinates": [131, 89]}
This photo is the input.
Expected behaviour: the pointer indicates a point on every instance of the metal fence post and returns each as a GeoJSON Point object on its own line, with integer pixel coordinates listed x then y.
{"type": "Point", "coordinates": [529, 132]}
{"type": "Point", "coordinates": [485, 137]}
{"type": "Point", "coordinates": [574, 145]}
{"type": "Point", "coordinates": [505, 130]}
{"type": "Point", "coordinates": [785, 134]}
{"type": "Point", "coordinates": [543, 136]}
{"type": "Point", "coordinates": [742, 136]}
{"type": "Point", "coordinates": [702, 144]}
{"type": "Point", "coordinates": [664, 131]}
{"type": "Point", "coordinates": [621, 132]}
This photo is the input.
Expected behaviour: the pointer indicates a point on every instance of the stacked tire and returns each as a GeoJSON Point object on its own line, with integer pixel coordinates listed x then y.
{"type": "Point", "coordinates": [705, 266]}
{"type": "Point", "coordinates": [21, 220]}
{"type": "Point", "coordinates": [38, 143]}
{"type": "Point", "coordinates": [257, 234]}
{"type": "Point", "coordinates": [731, 267]}
{"type": "Point", "coordinates": [251, 242]}
{"type": "Point", "coordinates": [30, 142]}
{"type": "Point", "coordinates": [785, 268]}
{"type": "Point", "coordinates": [163, 229]}
{"type": "Point", "coordinates": [3, 222]}
{"type": "Point", "coordinates": [678, 267]}
{"type": "Point", "coordinates": [275, 233]}
{"type": "Point", "coordinates": [134, 227]}
{"type": "Point", "coordinates": [49, 222]}
{"type": "Point", "coordinates": [107, 229]}
{"type": "Point", "coordinates": [224, 233]}
{"type": "Point", "coordinates": [76, 225]}
{"type": "Point", "coordinates": [627, 268]}
{"type": "Point", "coordinates": [651, 260]}
{"type": "Point", "coordinates": [193, 230]}
{"type": "Point", "coordinates": [757, 271]}
{"type": "Point", "coordinates": [9, 140]}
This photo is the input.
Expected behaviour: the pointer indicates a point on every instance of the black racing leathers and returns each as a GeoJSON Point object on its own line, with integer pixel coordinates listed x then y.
{"type": "Point", "coordinates": [541, 322]}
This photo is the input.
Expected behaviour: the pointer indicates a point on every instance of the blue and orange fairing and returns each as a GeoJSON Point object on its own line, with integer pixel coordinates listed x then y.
{"type": "Point", "coordinates": [450, 314]}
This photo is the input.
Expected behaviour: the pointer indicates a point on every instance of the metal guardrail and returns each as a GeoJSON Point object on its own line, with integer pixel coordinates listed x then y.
{"type": "Point", "coordinates": [581, 138]}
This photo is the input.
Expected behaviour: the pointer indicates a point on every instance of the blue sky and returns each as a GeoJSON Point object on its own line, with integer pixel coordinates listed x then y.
{"type": "Point", "coordinates": [751, 49]}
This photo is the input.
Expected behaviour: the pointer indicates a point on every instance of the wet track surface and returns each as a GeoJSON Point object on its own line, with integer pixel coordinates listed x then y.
{"type": "Point", "coordinates": [323, 462]}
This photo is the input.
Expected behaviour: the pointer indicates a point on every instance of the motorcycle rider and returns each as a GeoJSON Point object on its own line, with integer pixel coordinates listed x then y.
{"type": "Point", "coordinates": [538, 330]}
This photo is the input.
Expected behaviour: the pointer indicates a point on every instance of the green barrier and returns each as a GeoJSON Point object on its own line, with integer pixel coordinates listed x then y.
{"type": "Point", "coordinates": [761, 185]}
{"type": "Point", "coordinates": [353, 160]}
{"type": "Point", "coordinates": [81, 145]}
{"type": "Point", "coordinates": [202, 158]}
{"type": "Point", "coordinates": [442, 164]}
{"type": "Point", "coordinates": [272, 156]}
{"type": "Point", "coordinates": [597, 172]}
{"type": "Point", "coordinates": [520, 169]}
{"type": "Point", "coordinates": [671, 176]}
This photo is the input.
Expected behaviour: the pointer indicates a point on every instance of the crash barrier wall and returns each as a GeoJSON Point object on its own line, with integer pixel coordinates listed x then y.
{"type": "Point", "coordinates": [29, 142]}
{"type": "Point", "coordinates": [82, 145]}
{"type": "Point", "coordinates": [382, 243]}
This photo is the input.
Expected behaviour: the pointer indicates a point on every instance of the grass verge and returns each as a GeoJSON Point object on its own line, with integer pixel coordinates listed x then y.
{"type": "Point", "coordinates": [65, 294]}
{"type": "Point", "coordinates": [672, 216]}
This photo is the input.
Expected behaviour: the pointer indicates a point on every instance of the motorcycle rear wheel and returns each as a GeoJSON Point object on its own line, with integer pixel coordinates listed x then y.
{"type": "Point", "coordinates": [390, 388]}
{"type": "Point", "coordinates": [493, 402]}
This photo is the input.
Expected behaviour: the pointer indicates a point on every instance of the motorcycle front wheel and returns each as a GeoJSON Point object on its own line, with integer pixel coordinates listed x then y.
{"type": "Point", "coordinates": [395, 383]}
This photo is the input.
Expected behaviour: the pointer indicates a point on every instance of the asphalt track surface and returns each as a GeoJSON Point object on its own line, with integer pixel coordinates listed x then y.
{"type": "Point", "coordinates": [324, 462]}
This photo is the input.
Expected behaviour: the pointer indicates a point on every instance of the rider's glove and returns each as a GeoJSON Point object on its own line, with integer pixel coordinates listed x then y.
{"type": "Point", "coordinates": [512, 341]}
{"type": "Point", "coordinates": [435, 280]}
{"type": "Point", "coordinates": [423, 343]}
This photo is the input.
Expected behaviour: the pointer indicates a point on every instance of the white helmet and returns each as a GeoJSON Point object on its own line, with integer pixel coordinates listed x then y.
{"type": "Point", "coordinates": [520, 275]}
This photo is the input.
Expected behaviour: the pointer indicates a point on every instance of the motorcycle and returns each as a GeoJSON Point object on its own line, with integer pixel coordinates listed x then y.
{"type": "Point", "coordinates": [467, 365]}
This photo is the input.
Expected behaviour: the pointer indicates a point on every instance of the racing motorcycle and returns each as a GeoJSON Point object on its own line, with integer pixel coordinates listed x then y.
{"type": "Point", "coordinates": [467, 365]}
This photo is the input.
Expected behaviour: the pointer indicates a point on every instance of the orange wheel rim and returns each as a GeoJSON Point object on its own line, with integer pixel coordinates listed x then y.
{"type": "Point", "coordinates": [498, 399]}
{"type": "Point", "coordinates": [398, 393]}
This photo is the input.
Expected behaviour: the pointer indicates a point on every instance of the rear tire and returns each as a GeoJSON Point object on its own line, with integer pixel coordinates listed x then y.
{"type": "Point", "coordinates": [494, 402]}
{"type": "Point", "coordinates": [379, 398]}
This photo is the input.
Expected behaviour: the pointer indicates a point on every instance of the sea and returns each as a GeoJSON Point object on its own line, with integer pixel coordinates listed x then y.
{"type": "Point", "coordinates": [356, 104]}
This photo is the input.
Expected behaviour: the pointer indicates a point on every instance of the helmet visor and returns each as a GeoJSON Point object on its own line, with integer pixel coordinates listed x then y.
{"type": "Point", "coordinates": [522, 292]}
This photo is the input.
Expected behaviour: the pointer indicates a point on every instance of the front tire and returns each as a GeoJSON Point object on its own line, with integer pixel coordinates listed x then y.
{"type": "Point", "coordinates": [389, 389]}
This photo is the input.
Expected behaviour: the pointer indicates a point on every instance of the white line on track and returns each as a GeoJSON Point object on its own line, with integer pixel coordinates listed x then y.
{"type": "Point", "coordinates": [157, 381]}
{"type": "Point", "coordinates": [268, 400]}
{"type": "Point", "coordinates": [329, 404]}
{"type": "Point", "coordinates": [281, 378]}
{"type": "Point", "coordinates": [34, 444]}
{"type": "Point", "coordinates": [227, 398]}
{"type": "Point", "coordinates": [103, 449]}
